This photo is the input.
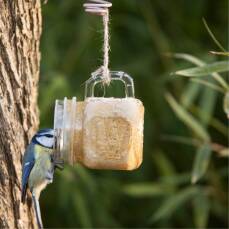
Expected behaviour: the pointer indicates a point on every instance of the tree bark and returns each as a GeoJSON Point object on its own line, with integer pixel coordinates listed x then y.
{"type": "Point", "coordinates": [20, 30]}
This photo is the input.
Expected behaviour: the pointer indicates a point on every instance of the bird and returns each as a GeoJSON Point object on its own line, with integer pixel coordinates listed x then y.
{"type": "Point", "coordinates": [38, 167]}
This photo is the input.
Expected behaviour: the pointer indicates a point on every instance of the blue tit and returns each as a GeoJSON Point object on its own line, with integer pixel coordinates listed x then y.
{"type": "Point", "coordinates": [38, 167]}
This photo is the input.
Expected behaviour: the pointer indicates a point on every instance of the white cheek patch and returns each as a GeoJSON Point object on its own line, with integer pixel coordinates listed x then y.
{"type": "Point", "coordinates": [45, 141]}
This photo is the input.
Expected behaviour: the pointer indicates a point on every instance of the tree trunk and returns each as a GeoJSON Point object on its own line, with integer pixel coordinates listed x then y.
{"type": "Point", "coordinates": [20, 30]}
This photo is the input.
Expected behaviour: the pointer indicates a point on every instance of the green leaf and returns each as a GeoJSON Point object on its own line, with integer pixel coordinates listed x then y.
{"type": "Point", "coordinates": [146, 189]}
{"type": "Point", "coordinates": [198, 62]}
{"type": "Point", "coordinates": [201, 210]}
{"type": "Point", "coordinates": [187, 118]}
{"type": "Point", "coordinates": [191, 91]}
{"type": "Point", "coordinates": [176, 180]}
{"type": "Point", "coordinates": [207, 105]}
{"type": "Point", "coordinates": [220, 53]}
{"type": "Point", "coordinates": [201, 162]}
{"type": "Point", "coordinates": [172, 203]}
{"type": "Point", "coordinates": [226, 104]}
{"type": "Point", "coordinates": [213, 36]}
{"type": "Point", "coordinates": [208, 84]}
{"type": "Point", "coordinates": [190, 58]}
{"type": "Point", "coordinates": [220, 66]}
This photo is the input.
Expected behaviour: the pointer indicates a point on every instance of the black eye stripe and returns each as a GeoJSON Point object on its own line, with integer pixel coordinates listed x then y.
{"type": "Point", "coordinates": [49, 136]}
{"type": "Point", "coordinates": [46, 135]}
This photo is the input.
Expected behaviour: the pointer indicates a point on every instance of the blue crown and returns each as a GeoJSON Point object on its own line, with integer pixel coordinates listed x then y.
{"type": "Point", "coordinates": [43, 132]}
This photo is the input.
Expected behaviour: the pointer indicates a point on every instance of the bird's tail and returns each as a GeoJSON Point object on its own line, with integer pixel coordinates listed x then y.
{"type": "Point", "coordinates": [37, 211]}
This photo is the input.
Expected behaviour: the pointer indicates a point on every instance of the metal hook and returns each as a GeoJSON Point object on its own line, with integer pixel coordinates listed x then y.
{"type": "Point", "coordinates": [98, 7]}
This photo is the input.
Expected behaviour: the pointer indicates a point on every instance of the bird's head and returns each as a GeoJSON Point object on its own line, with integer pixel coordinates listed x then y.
{"type": "Point", "coordinates": [44, 138]}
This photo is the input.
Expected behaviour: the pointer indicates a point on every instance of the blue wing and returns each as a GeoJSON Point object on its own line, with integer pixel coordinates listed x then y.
{"type": "Point", "coordinates": [28, 163]}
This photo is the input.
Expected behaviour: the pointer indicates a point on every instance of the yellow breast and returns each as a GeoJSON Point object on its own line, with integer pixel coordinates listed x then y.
{"type": "Point", "coordinates": [41, 167]}
{"type": "Point", "coordinates": [40, 150]}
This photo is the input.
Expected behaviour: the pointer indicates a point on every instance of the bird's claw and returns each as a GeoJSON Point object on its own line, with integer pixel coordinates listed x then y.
{"type": "Point", "coordinates": [59, 164]}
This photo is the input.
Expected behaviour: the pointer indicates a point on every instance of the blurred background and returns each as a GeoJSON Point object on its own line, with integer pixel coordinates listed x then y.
{"type": "Point", "coordinates": [184, 120]}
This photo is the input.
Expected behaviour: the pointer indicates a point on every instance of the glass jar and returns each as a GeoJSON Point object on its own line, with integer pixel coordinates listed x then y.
{"type": "Point", "coordinates": [68, 121]}
{"type": "Point", "coordinates": [101, 133]}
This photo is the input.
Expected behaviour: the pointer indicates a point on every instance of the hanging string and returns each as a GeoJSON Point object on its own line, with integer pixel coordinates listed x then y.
{"type": "Point", "coordinates": [101, 8]}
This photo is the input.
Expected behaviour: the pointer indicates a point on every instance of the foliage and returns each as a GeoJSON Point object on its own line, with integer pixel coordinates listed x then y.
{"type": "Point", "coordinates": [185, 134]}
